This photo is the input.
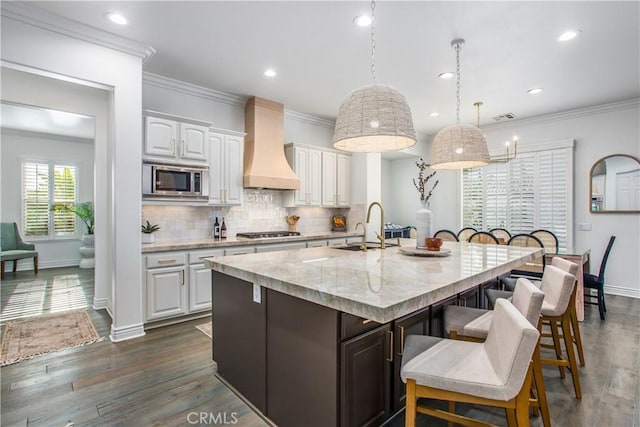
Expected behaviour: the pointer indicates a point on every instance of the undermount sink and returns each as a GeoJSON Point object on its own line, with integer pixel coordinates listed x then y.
{"type": "Point", "coordinates": [370, 246]}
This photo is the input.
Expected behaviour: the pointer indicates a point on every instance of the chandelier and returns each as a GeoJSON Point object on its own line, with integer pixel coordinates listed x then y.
{"type": "Point", "coordinates": [511, 147]}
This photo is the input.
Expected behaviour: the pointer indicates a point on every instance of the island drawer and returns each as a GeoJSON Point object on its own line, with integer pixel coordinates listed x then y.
{"type": "Point", "coordinates": [352, 326]}
{"type": "Point", "coordinates": [196, 257]}
{"type": "Point", "coordinates": [166, 260]}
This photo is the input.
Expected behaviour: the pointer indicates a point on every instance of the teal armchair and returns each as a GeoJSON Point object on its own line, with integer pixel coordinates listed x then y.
{"type": "Point", "coordinates": [12, 248]}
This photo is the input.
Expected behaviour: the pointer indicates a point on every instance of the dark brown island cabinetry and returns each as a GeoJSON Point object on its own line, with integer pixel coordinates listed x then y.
{"type": "Point", "coordinates": [301, 363]}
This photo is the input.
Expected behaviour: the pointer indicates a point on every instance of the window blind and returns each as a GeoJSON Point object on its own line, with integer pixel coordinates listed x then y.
{"type": "Point", "coordinates": [45, 184]}
{"type": "Point", "coordinates": [532, 191]}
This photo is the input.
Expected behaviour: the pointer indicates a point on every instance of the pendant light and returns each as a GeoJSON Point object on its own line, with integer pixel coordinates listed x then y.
{"type": "Point", "coordinates": [374, 118]}
{"type": "Point", "coordinates": [459, 146]}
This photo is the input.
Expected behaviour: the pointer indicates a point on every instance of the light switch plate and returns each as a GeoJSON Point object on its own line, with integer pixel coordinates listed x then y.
{"type": "Point", "coordinates": [584, 226]}
{"type": "Point", "coordinates": [257, 294]}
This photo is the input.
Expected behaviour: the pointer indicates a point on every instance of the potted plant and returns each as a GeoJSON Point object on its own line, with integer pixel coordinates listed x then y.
{"type": "Point", "coordinates": [147, 231]}
{"type": "Point", "coordinates": [84, 211]}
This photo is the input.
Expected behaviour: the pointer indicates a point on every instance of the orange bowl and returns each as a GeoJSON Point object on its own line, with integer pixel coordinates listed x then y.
{"type": "Point", "coordinates": [433, 243]}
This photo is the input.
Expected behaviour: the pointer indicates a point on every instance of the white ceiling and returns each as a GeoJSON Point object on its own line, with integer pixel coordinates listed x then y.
{"type": "Point", "coordinates": [320, 55]}
{"type": "Point", "coordinates": [43, 120]}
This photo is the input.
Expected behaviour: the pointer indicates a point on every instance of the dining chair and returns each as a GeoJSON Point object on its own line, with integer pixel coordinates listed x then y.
{"type": "Point", "coordinates": [496, 372]}
{"type": "Point", "coordinates": [484, 238]}
{"type": "Point", "coordinates": [597, 282]}
{"type": "Point", "coordinates": [501, 233]}
{"type": "Point", "coordinates": [465, 233]}
{"type": "Point", "coordinates": [548, 239]}
{"type": "Point", "coordinates": [447, 235]}
{"type": "Point", "coordinates": [13, 248]}
{"type": "Point", "coordinates": [532, 269]}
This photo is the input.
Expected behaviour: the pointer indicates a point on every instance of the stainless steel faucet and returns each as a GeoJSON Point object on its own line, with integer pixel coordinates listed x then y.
{"type": "Point", "coordinates": [381, 235]}
{"type": "Point", "coordinates": [363, 245]}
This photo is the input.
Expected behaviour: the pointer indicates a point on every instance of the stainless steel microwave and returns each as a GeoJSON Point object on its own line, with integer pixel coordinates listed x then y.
{"type": "Point", "coordinates": [171, 181]}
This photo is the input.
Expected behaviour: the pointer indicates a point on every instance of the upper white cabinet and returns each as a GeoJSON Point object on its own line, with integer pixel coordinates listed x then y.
{"type": "Point", "coordinates": [225, 168]}
{"type": "Point", "coordinates": [175, 139]}
{"type": "Point", "coordinates": [306, 162]}
{"type": "Point", "coordinates": [336, 179]}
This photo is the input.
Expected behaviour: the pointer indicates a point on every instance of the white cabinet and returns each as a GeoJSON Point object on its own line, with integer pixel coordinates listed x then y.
{"type": "Point", "coordinates": [166, 293]}
{"type": "Point", "coordinates": [225, 168]}
{"type": "Point", "coordinates": [316, 243]}
{"type": "Point", "coordinates": [306, 163]}
{"type": "Point", "coordinates": [240, 250]}
{"type": "Point", "coordinates": [171, 139]}
{"type": "Point", "coordinates": [336, 179]}
{"type": "Point", "coordinates": [175, 288]}
{"type": "Point", "coordinates": [337, 242]}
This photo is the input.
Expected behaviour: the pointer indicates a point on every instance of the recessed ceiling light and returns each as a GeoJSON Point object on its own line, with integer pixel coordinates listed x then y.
{"type": "Point", "coordinates": [446, 75]}
{"type": "Point", "coordinates": [434, 114]}
{"type": "Point", "coordinates": [534, 91]}
{"type": "Point", "coordinates": [270, 72]}
{"type": "Point", "coordinates": [116, 18]}
{"type": "Point", "coordinates": [568, 35]}
{"type": "Point", "coordinates": [362, 21]}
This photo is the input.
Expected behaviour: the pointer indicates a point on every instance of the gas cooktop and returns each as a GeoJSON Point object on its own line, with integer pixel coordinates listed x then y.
{"type": "Point", "coordinates": [267, 234]}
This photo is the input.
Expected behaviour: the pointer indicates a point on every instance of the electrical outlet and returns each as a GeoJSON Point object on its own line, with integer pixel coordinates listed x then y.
{"type": "Point", "coordinates": [584, 226]}
{"type": "Point", "coordinates": [257, 294]}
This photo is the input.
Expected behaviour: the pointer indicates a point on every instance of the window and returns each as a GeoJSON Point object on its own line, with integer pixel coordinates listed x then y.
{"type": "Point", "coordinates": [45, 184]}
{"type": "Point", "coordinates": [530, 192]}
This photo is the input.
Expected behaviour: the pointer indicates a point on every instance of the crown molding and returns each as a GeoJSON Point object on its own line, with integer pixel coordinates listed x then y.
{"type": "Point", "coordinates": [566, 115]}
{"type": "Point", "coordinates": [40, 18]}
{"type": "Point", "coordinates": [193, 90]}
{"type": "Point", "coordinates": [307, 118]}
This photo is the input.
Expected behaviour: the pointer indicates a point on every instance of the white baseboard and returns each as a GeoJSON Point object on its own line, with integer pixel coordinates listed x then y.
{"type": "Point", "coordinates": [100, 303]}
{"type": "Point", "coordinates": [126, 333]}
{"type": "Point", "coordinates": [28, 266]}
{"type": "Point", "coordinates": [622, 291]}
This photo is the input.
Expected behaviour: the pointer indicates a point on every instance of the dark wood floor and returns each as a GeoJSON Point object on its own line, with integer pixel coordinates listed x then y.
{"type": "Point", "coordinates": [166, 378]}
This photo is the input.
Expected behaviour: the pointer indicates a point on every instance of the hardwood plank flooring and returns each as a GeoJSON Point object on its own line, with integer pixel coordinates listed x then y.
{"type": "Point", "coordinates": [167, 378]}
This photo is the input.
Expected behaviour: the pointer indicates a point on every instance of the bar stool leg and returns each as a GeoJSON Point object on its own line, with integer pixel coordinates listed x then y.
{"type": "Point", "coordinates": [556, 344]}
{"type": "Point", "coordinates": [542, 393]}
{"type": "Point", "coordinates": [576, 335]}
{"type": "Point", "coordinates": [566, 332]}
{"type": "Point", "coordinates": [411, 401]}
{"type": "Point", "coordinates": [511, 417]}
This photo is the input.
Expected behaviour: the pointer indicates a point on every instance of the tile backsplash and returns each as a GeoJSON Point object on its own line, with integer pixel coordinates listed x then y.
{"type": "Point", "coordinates": [262, 210]}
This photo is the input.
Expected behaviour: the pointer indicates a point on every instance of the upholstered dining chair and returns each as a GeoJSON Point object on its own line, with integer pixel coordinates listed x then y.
{"type": "Point", "coordinates": [501, 233]}
{"type": "Point", "coordinates": [484, 238]}
{"type": "Point", "coordinates": [548, 239]}
{"type": "Point", "coordinates": [533, 269]}
{"type": "Point", "coordinates": [597, 282]}
{"type": "Point", "coordinates": [447, 235]}
{"type": "Point", "coordinates": [496, 372]}
{"type": "Point", "coordinates": [13, 248]}
{"type": "Point", "coordinates": [465, 233]}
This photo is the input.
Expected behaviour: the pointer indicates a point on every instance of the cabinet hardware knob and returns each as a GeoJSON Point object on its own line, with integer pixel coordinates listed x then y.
{"type": "Point", "coordinates": [182, 284]}
{"type": "Point", "coordinates": [364, 322]}
{"type": "Point", "coordinates": [182, 146]}
{"type": "Point", "coordinates": [166, 261]}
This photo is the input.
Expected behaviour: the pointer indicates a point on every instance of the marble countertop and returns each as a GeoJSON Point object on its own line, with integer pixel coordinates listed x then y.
{"type": "Point", "coordinates": [381, 285]}
{"type": "Point", "coordinates": [239, 241]}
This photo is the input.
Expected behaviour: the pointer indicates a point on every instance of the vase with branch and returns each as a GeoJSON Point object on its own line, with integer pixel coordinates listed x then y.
{"type": "Point", "coordinates": [424, 220]}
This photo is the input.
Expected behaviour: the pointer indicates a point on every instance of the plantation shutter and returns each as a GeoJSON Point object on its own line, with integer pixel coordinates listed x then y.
{"type": "Point", "coordinates": [533, 191]}
{"type": "Point", "coordinates": [35, 199]}
{"type": "Point", "coordinates": [473, 197]}
{"type": "Point", "coordinates": [64, 192]}
{"type": "Point", "coordinates": [521, 197]}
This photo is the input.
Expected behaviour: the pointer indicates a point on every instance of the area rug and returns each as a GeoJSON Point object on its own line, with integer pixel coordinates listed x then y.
{"type": "Point", "coordinates": [29, 338]}
{"type": "Point", "coordinates": [206, 329]}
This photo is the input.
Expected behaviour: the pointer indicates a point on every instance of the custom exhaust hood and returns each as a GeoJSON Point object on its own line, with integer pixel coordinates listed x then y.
{"type": "Point", "coordinates": [265, 165]}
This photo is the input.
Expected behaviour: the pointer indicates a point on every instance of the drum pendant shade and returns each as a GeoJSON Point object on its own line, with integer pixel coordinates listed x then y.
{"type": "Point", "coordinates": [459, 147]}
{"type": "Point", "coordinates": [374, 118]}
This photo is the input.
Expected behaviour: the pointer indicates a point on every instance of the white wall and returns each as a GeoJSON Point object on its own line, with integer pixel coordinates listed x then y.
{"type": "Point", "coordinates": [37, 42]}
{"type": "Point", "coordinates": [18, 145]}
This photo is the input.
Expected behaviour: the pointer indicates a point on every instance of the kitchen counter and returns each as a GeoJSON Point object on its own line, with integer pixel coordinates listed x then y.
{"type": "Point", "coordinates": [178, 245]}
{"type": "Point", "coordinates": [317, 334]}
{"type": "Point", "coordinates": [381, 285]}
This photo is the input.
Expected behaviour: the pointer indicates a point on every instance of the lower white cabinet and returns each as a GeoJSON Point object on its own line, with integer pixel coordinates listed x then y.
{"type": "Point", "coordinates": [166, 292]}
{"type": "Point", "coordinates": [177, 283]}
{"type": "Point", "coordinates": [280, 247]}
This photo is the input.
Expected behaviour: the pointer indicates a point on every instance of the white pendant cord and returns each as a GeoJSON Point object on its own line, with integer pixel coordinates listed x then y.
{"type": "Point", "coordinates": [373, 41]}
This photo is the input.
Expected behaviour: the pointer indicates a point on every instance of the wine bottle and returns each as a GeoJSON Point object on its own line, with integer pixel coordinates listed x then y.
{"type": "Point", "coordinates": [216, 229]}
{"type": "Point", "coordinates": [223, 230]}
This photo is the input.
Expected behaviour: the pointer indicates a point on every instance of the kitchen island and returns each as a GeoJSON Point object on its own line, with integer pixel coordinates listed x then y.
{"type": "Point", "coordinates": [314, 336]}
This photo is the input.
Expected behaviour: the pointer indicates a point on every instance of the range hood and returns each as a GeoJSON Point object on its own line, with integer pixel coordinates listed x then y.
{"type": "Point", "coordinates": [265, 164]}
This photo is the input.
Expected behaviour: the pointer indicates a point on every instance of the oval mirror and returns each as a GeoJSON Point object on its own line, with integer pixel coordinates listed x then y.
{"type": "Point", "coordinates": [615, 184]}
